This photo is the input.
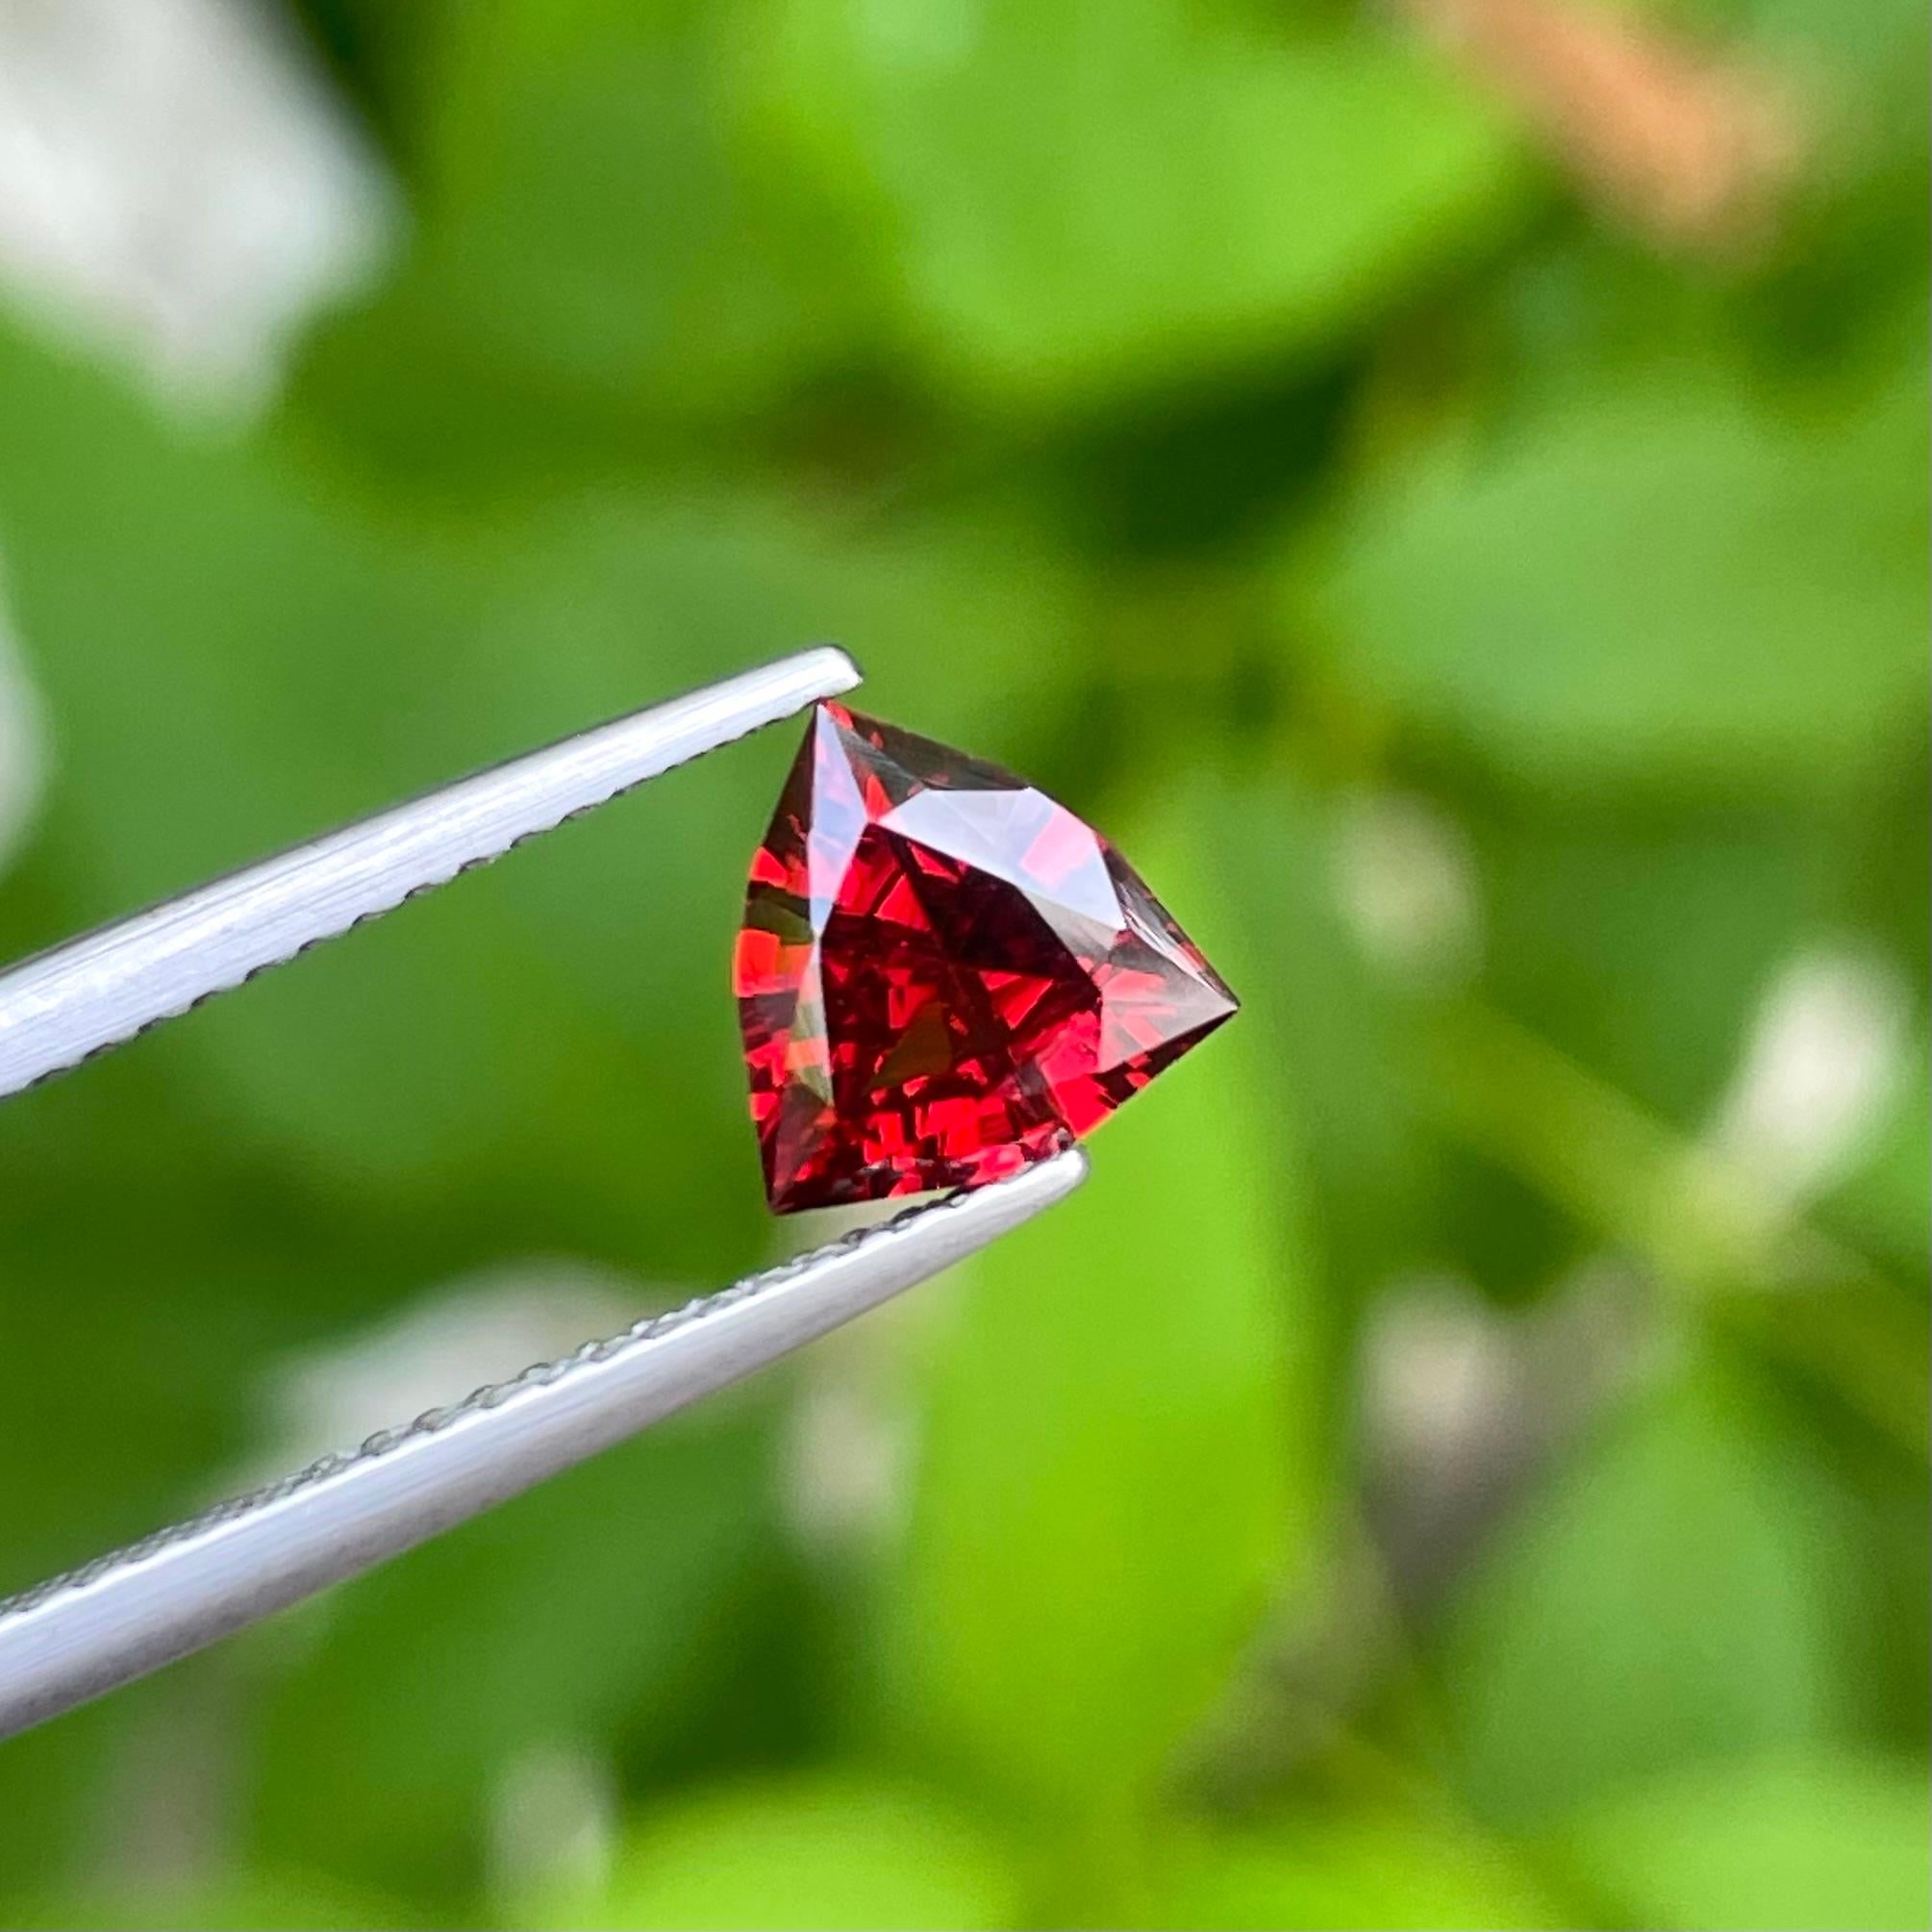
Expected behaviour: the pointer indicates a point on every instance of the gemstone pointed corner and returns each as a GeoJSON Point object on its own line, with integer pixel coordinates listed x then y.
{"type": "Point", "coordinates": [942, 975]}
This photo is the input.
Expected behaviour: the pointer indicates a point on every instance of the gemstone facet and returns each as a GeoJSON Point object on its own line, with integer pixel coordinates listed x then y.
{"type": "Point", "coordinates": [942, 975]}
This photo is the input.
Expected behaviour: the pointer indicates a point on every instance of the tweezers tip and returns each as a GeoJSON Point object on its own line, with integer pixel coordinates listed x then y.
{"type": "Point", "coordinates": [836, 667]}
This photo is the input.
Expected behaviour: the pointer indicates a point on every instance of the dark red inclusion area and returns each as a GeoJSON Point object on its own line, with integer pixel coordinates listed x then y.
{"type": "Point", "coordinates": [943, 975]}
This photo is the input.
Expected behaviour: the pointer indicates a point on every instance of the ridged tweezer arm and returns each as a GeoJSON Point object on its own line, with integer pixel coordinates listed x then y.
{"type": "Point", "coordinates": [124, 1615]}
{"type": "Point", "coordinates": [103, 989]}
{"type": "Point", "coordinates": [78, 1635]}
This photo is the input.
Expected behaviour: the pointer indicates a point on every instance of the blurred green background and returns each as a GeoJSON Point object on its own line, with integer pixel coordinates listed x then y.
{"type": "Point", "coordinates": [1443, 484]}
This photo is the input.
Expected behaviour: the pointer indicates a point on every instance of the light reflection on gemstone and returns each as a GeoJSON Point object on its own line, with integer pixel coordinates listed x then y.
{"type": "Point", "coordinates": [942, 974]}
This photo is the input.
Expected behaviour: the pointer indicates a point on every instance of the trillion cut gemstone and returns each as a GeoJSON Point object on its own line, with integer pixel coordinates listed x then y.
{"type": "Point", "coordinates": [942, 974]}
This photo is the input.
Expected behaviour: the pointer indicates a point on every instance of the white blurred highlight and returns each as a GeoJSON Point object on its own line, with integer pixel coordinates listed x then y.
{"type": "Point", "coordinates": [553, 1823]}
{"type": "Point", "coordinates": [1824, 1055]}
{"type": "Point", "coordinates": [1407, 883]}
{"type": "Point", "coordinates": [850, 1435]}
{"type": "Point", "coordinates": [1441, 1373]}
{"type": "Point", "coordinates": [846, 1466]}
{"type": "Point", "coordinates": [177, 189]}
{"type": "Point", "coordinates": [1463, 1403]}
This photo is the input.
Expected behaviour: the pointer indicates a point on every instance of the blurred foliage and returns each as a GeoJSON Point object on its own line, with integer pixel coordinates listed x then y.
{"type": "Point", "coordinates": [1461, 1460]}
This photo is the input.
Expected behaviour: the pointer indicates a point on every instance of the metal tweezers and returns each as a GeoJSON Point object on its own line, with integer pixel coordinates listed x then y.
{"type": "Point", "coordinates": [128, 1613]}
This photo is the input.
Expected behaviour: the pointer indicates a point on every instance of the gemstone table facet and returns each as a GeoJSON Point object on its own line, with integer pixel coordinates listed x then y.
{"type": "Point", "coordinates": [942, 975]}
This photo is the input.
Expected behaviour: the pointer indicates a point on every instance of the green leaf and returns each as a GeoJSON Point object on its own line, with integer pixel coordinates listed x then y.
{"type": "Point", "coordinates": [1391, 1194]}
{"type": "Point", "coordinates": [1785, 1843]}
{"type": "Point", "coordinates": [50, 1784]}
{"type": "Point", "coordinates": [1665, 580]}
{"type": "Point", "coordinates": [1333, 1028]}
{"type": "Point", "coordinates": [1346, 1872]}
{"type": "Point", "coordinates": [1852, 267]}
{"type": "Point", "coordinates": [1668, 1600]}
{"type": "Point", "coordinates": [1116, 1465]}
{"type": "Point", "coordinates": [602, 243]}
{"type": "Point", "coordinates": [1641, 942]}
{"type": "Point", "coordinates": [833, 1849]}
{"type": "Point", "coordinates": [1084, 198]}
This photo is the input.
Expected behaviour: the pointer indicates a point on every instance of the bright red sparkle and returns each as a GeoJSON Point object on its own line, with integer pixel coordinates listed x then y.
{"type": "Point", "coordinates": [942, 974]}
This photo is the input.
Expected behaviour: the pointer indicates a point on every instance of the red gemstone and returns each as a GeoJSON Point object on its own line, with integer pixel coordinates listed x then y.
{"type": "Point", "coordinates": [942, 974]}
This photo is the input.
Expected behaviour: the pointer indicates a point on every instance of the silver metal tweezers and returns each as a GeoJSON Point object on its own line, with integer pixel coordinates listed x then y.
{"type": "Point", "coordinates": [125, 1613]}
